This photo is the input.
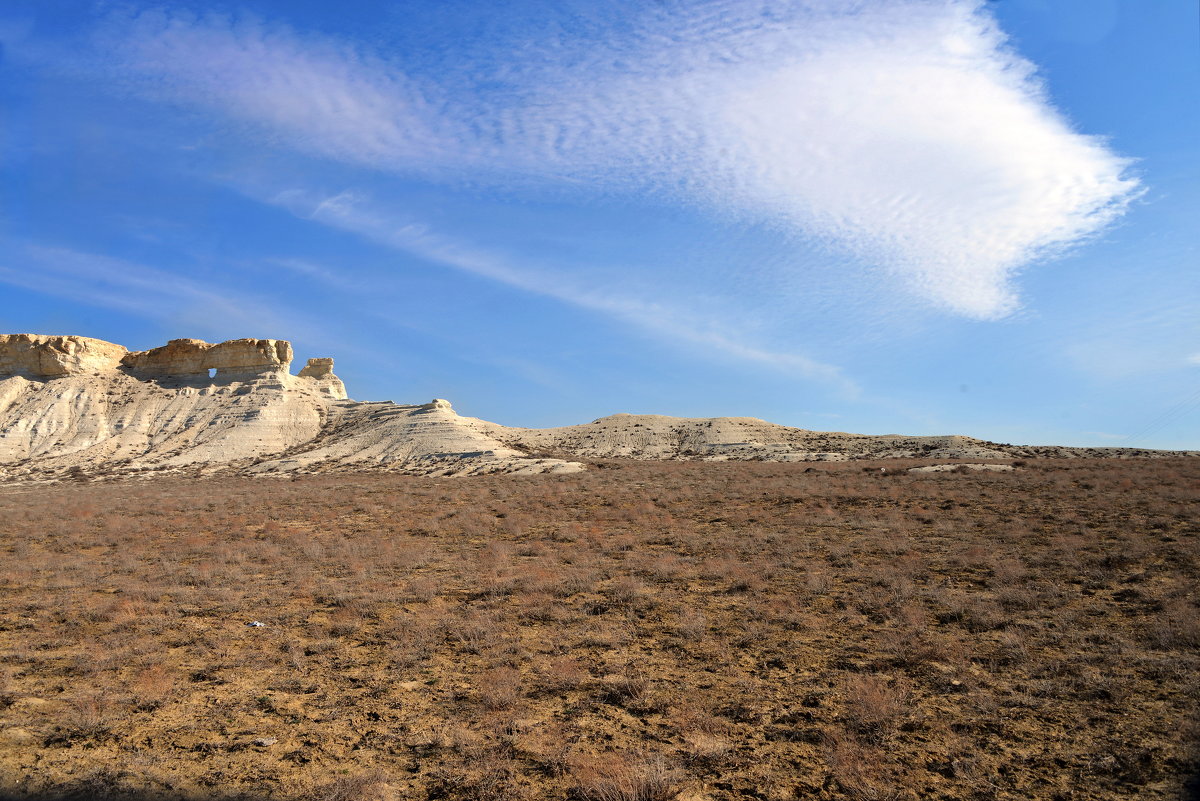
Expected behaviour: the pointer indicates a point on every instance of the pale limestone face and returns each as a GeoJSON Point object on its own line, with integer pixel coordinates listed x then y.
{"type": "Point", "coordinates": [318, 368]}
{"type": "Point", "coordinates": [53, 356]}
{"type": "Point", "coordinates": [194, 356]}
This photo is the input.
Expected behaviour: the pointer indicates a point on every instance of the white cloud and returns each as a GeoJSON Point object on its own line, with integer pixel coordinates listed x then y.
{"type": "Point", "coordinates": [317, 95]}
{"type": "Point", "coordinates": [146, 292]}
{"type": "Point", "coordinates": [350, 211]}
{"type": "Point", "coordinates": [904, 132]}
{"type": "Point", "coordinates": [339, 280]}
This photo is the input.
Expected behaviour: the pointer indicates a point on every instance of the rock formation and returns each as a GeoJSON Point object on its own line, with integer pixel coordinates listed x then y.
{"type": "Point", "coordinates": [54, 356]}
{"type": "Point", "coordinates": [194, 357]}
{"type": "Point", "coordinates": [321, 370]}
{"type": "Point", "coordinates": [318, 368]}
{"type": "Point", "coordinates": [70, 404]}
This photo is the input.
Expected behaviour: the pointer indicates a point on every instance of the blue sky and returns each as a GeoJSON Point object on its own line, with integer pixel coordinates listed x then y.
{"type": "Point", "coordinates": [911, 217]}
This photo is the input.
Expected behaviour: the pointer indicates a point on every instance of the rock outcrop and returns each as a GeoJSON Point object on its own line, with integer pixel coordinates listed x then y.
{"type": "Point", "coordinates": [320, 370]}
{"type": "Point", "coordinates": [54, 356]}
{"type": "Point", "coordinates": [195, 357]}
{"type": "Point", "coordinates": [72, 405]}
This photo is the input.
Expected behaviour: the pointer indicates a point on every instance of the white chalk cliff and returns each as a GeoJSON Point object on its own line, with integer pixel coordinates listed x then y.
{"type": "Point", "coordinates": [74, 403]}
{"type": "Point", "coordinates": [71, 404]}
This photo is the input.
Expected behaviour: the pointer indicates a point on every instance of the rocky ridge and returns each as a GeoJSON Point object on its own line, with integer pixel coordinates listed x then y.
{"type": "Point", "coordinates": [75, 405]}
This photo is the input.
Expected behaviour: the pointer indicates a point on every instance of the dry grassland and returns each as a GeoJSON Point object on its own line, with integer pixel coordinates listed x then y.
{"type": "Point", "coordinates": [642, 631]}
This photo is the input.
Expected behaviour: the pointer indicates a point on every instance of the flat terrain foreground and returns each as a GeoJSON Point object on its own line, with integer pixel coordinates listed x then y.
{"type": "Point", "coordinates": [639, 631]}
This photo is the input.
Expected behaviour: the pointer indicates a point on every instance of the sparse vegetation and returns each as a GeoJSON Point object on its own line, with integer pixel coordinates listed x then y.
{"type": "Point", "coordinates": [642, 632]}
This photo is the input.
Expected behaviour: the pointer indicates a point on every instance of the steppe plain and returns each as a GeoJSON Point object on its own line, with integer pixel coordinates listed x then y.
{"type": "Point", "coordinates": [638, 630]}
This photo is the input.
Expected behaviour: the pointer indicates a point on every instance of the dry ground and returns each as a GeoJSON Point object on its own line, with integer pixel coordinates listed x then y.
{"type": "Point", "coordinates": [641, 631]}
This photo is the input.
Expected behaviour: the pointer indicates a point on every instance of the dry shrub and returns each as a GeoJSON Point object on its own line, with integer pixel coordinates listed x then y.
{"type": "Point", "coordinates": [624, 777]}
{"type": "Point", "coordinates": [1177, 627]}
{"type": "Point", "coordinates": [483, 776]}
{"type": "Point", "coordinates": [539, 608]}
{"type": "Point", "coordinates": [500, 688]}
{"type": "Point", "coordinates": [874, 707]}
{"type": "Point", "coordinates": [153, 686]}
{"type": "Point", "coordinates": [370, 785]}
{"type": "Point", "coordinates": [857, 769]}
{"type": "Point", "coordinates": [627, 592]}
{"type": "Point", "coordinates": [692, 625]}
{"type": "Point", "coordinates": [89, 715]}
{"type": "Point", "coordinates": [476, 633]}
{"type": "Point", "coordinates": [562, 674]}
{"type": "Point", "coordinates": [549, 745]}
{"type": "Point", "coordinates": [423, 589]}
{"type": "Point", "coordinates": [707, 749]}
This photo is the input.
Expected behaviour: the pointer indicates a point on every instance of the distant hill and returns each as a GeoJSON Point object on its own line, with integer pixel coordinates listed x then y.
{"type": "Point", "coordinates": [73, 405]}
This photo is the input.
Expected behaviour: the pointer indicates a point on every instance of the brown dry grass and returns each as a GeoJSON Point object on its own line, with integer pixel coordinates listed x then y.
{"type": "Point", "coordinates": [641, 631]}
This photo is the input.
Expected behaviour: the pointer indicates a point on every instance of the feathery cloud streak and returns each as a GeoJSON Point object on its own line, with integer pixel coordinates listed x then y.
{"type": "Point", "coordinates": [904, 132]}
{"type": "Point", "coordinates": [350, 212]}
{"type": "Point", "coordinates": [98, 280]}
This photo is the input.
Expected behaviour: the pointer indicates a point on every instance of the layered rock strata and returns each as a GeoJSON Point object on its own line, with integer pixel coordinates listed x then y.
{"type": "Point", "coordinates": [74, 403]}
{"type": "Point", "coordinates": [321, 371]}
{"type": "Point", "coordinates": [195, 357]}
{"type": "Point", "coordinates": [54, 356]}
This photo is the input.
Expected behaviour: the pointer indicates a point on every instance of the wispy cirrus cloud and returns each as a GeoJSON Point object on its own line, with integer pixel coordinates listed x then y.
{"type": "Point", "coordinates": [313, 94]}
{"type": "Point", "coordinates": [317, 273]}
{"type": "Point", "coordinates": [905, 132]}
{"type": "Point", "coordinates": [350, 211]}
{"type": "Point", "coordinates": [142, 291]}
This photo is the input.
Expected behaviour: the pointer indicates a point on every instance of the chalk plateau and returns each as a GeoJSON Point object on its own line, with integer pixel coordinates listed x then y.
{"type": "Point", "coordinates": [76, 406]}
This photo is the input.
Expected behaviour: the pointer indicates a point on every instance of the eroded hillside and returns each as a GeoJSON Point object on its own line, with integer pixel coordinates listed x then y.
{"type": "Point", "coordinates": [72, 404]}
